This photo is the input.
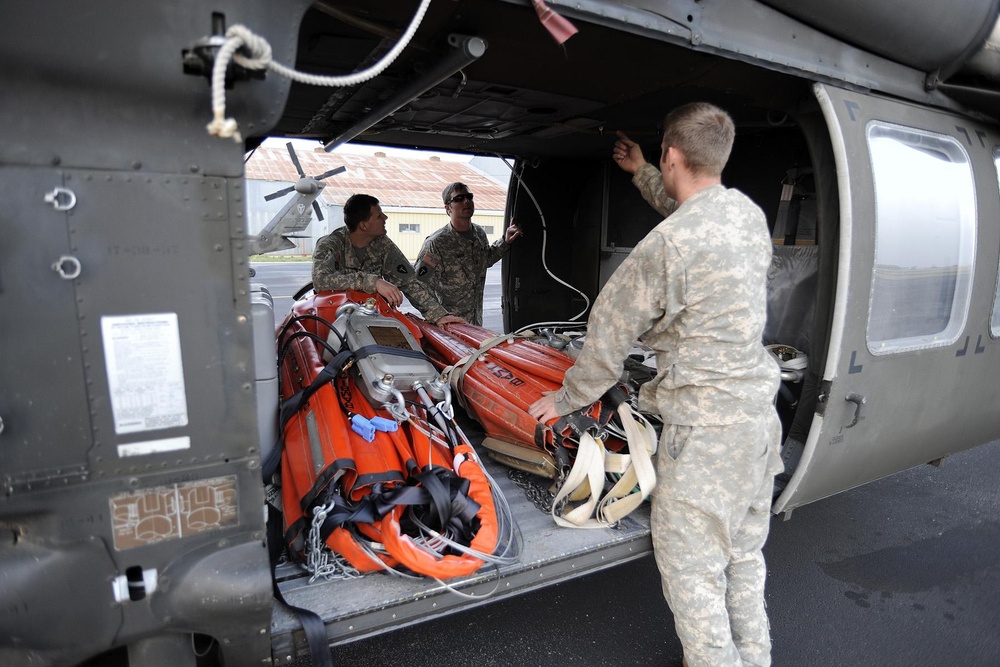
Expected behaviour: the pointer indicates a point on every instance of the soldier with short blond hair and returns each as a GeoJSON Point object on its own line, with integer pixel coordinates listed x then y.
{"type": "Point", "coordinates": [694, 290]}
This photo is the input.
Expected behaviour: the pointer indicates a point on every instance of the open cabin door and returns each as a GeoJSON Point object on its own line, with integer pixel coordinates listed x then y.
{"type": "Point", "coordinates": [910, 374]}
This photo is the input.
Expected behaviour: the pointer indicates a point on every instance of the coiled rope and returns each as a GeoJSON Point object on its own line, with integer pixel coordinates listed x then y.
{"type": "Point", "coordinates": [239, 36]}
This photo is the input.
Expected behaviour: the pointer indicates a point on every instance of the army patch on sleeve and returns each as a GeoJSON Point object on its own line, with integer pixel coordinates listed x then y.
{"type": "Point", "coordinates": [430, 260]}
{"type": "Point", "coordinates": [423, 270]}
{"type": "Point", "coordinates": [402, 268]}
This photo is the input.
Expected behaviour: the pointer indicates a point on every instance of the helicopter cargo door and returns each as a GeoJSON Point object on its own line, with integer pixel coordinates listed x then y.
{"type": "Point", "coordinates": [907, 374]}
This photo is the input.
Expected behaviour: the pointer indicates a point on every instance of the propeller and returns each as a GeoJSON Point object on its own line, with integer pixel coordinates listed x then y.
{"type": "Point", "coordinates": [306, 185]}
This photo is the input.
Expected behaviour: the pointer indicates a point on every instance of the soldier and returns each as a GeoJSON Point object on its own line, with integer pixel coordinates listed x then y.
{"type": "Point", "coordinates": [361, 257]}
{"type": "Point", "coordinates": [694, 290]}
{"type": "Point", "coordinates": [454, 259]}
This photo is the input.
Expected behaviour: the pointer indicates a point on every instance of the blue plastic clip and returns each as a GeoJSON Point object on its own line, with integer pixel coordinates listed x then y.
{"type": "Point", "coordinates": [362, 427]}
{"type": "Point", "coordinates": [384, 425]}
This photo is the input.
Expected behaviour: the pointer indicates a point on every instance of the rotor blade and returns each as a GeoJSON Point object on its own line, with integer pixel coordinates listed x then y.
{"type": "Point", "coordinates": [330, 173]}
{"type": "Point", "coordinates": [279, 193]}
{"type": "Point", "coordinates": [295, 160]}
{"type": "Point", "coordinates": [319, 213]}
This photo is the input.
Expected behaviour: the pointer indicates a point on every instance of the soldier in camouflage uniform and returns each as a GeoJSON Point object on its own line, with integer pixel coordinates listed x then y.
{"type": "Point", "coordinates": [694, 290]}
{"type": "Point", "coordinates": [454, 259]}
{"type": "Point", "coordinates": [361, 257]}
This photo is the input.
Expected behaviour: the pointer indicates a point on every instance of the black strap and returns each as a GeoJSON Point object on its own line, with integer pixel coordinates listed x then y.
{"type": "Point", "coordinates": [312, 623]}
{"type": "Point", "coordinates": [295, 403]}
{"type": "Point", "coordinates": [612, 398]}
{"type": "Point", "coordinates": [343, 513]}
{"type": "Point", "coordinates": [369, 350]}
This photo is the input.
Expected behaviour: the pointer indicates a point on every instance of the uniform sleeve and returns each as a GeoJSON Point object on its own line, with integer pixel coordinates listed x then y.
{"type": "Point", "coordinates": [646, 288]}
{"type": "Point", "coordinates": [429, 264]}
{"type": "Point", "coordinates": [328, 272]}
{"type": "Point", "coordinates": [496, 251]}
{"type": "Point", "coordinates": [397, 270]}
{"type": "Point", "coordinates": [650, 183]}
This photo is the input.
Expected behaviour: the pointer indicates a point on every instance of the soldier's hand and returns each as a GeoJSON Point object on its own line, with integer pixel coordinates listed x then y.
{"type": "Point", "coordinates": [450, 319]}
{"type": "Point", "coordinates": [513, 233]}
{"type": "Point", "coordinates": [544, 409]}
{"type": "Point", "coordinates": [390, 292]}
{"type": "Point", "coordinates": [627, 154]}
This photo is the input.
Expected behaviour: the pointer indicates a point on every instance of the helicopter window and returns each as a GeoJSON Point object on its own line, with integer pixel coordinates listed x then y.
{"type": "Point", "coordinates": [925, 239]}
{"type": "Point", "coordinates": [995, 318]}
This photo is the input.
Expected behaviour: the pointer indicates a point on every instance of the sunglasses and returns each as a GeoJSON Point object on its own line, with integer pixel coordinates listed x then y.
{"type": "Point", "coordinates": [460, 198]}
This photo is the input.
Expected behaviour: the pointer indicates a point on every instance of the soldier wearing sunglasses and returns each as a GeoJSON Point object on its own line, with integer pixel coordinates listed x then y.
{"type": "Point", "coordinates": [453, 260]}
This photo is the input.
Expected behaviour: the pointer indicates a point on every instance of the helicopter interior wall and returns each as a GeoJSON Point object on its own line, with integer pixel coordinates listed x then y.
{"type": "Point", "coordinates": [817, 138]}
{"type": "Point", "coordinates": [575, 196]}
{"type": "Point", "coordinates": [544, 203]}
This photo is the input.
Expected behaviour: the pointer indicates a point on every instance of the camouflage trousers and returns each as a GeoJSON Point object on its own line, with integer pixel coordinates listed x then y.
{"type": "Point", "coordinates": [710, 519]}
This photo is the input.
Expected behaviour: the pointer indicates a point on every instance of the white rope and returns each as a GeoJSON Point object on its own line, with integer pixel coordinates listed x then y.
{"type": "Point", "coordinates": [239, 36]}
{"type": "Point", "coordinates": [545, 240]}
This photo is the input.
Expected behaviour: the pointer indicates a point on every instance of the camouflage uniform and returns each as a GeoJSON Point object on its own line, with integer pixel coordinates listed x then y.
{"type": "Point", "coordinates": [454, 266]}
{"type": "Point", "coordinates": [694, 290]}
{"type": "Point", "coordinates": [338, 265]}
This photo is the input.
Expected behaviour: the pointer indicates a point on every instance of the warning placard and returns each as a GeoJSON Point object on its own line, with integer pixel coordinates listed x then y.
{"type": "Point", "coordinates": [145, 376]}
{"type": "Point", "coordinates": [148, 516]}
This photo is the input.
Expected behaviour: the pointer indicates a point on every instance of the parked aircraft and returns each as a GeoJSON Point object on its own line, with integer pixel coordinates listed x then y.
{"type": "Point", "coordinates": [868, 137]}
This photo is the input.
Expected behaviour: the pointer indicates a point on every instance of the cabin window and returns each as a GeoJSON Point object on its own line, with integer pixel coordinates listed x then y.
{"type": "Point", "coordinates": [995, 318]}
{"type": "Point", "coordinates": [925, 239]}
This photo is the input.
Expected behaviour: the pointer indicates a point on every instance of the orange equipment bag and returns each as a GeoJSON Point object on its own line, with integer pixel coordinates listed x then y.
{"type": "Point", "coordinates": [409, 493]}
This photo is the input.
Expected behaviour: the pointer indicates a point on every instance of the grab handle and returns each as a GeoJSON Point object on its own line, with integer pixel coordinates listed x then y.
{"type": "Point", "coordinates": [858, 401]}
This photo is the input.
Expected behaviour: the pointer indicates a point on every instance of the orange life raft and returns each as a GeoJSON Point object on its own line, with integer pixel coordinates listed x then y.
{"type": "Point", "coordinates": [370, 465]}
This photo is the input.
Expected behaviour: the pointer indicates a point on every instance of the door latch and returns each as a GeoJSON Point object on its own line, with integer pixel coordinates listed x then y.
{"type": "Point", "coordinates": [858, 401]}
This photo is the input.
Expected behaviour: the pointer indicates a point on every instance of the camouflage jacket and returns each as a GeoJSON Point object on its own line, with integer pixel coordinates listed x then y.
{"type": "Point", "coordinates": [337, 265]}
{"type": "Point", "coordinates": [694, 289]}
{"type": "Point", "coordinates": [454, 267]}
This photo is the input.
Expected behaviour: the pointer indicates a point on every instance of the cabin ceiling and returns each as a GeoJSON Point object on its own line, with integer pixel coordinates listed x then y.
{"type": "Point", "coordinates": [526, 95]}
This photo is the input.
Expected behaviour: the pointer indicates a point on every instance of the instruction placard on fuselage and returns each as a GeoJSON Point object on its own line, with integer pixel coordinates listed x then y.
{"type": "Point", "coordinates": [145, 375]}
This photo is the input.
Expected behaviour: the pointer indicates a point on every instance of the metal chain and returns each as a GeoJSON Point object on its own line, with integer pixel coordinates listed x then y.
{"type": "Point", "coordinates": [532, 486]}
{"type": "Point", "coordinates": [320, 560]}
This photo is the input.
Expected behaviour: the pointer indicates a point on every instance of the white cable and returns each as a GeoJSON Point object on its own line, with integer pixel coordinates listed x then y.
{"type": "Point", "coordinates": [556, 323]}
{"type": "Point", "coordinates": [545, 236]}
{"type": "Point", "coordinates": [238, 36]}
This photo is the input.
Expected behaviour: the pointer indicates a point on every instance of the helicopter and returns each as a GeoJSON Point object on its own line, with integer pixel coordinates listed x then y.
{"type": "Point", "coordinates": [294, 217]}
{"type": "Point", "coordinates": [132, 412]}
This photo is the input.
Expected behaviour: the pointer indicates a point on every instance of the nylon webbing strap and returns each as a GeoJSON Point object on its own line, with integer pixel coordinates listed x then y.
{"type": "Point", "coordinates": [623, 496]}
{"type": "Point", "coordinates": [592, 461]}
{"type": "Point", "coordinates": [295, 403]}
{"type": "Point", "coordinates": [588, 467]}
{"type": "Point", "coordinates": [312, 623]}
{"type": "Point", "coordinates": [456, 372]}
{"type": "Point", "coordinates": [369, 350]}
